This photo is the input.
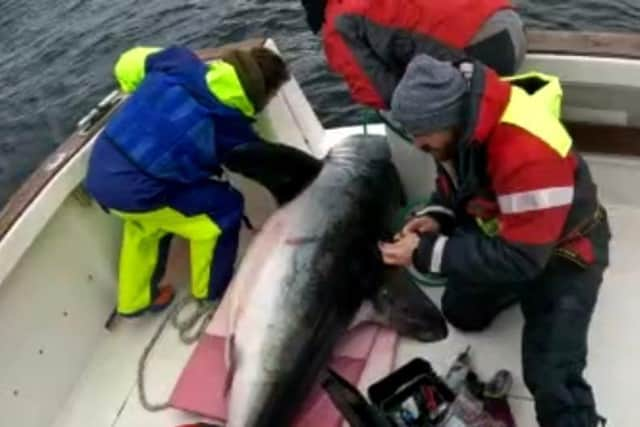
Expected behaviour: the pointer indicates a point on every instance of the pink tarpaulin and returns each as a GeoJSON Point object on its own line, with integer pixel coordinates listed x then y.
{"type": "Point", "coordinates": [365, 354]}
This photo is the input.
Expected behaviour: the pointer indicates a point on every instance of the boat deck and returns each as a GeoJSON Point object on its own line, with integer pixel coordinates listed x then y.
{"type": "Point", "coordinates": [106, 395]}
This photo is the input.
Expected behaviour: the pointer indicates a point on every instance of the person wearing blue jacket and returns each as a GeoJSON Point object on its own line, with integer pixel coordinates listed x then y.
{"type": "Point", "coordinates": [158, 161]}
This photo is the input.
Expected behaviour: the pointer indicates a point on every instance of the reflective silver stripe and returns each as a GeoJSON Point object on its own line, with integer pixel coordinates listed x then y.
{"type": "Point", "coordinates": [436, 255]}
{"type": "Point", "coordinates": [435, 209]}
{"type": "Point", "coordinates": [535, 200]}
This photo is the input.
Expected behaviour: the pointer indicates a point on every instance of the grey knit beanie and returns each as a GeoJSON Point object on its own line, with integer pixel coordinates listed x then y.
{"type": "Point", "coordinates": [429, 96]}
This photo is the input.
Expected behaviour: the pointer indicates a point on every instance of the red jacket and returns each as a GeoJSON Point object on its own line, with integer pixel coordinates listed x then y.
{"type": "Point", "coordinates": [370, 42]}
{"type": "Point", "coordinates": [540, 199]}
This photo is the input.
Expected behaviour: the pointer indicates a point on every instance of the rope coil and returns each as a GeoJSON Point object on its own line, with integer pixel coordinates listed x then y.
{"type": "Point", "coordinates": [185, 325]}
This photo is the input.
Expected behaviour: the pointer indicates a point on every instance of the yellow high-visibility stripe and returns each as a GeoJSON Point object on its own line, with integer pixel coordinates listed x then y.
{"type": "Point", "coordinates": [130, 67]}
{"type": "Point", "coordinates": [533, 115]}
{"type": "Point", "coordinates": [224, 83]}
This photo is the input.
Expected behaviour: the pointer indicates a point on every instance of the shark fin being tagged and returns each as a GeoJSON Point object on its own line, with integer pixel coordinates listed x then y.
{"type": "Point", "coordinates": [284, 171]}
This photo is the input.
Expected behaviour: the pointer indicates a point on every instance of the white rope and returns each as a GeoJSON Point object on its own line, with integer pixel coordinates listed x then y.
{"type": "Point", "coordinates": [201, 317]}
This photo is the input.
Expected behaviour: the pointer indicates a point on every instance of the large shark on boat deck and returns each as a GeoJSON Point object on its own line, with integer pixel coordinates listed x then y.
{"type": "Point", "coordinates": [308, 273]}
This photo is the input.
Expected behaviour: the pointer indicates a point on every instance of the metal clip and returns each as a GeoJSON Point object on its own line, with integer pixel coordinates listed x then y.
{"type": "Point", "coordinates": [98, 112]}
{"type": "Point", "coordinates": [467, 69]}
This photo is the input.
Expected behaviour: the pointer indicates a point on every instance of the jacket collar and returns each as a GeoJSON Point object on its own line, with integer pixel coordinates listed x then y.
{"type": "Point", "coordinates": [488, 98]}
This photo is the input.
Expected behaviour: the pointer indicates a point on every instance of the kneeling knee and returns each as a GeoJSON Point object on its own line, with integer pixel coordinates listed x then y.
{"type": "Point", "coordinates": [465, 318]}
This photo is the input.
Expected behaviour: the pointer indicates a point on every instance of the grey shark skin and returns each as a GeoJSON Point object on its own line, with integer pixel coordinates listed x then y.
{"type": "Point", "coordinates": [306, 275]}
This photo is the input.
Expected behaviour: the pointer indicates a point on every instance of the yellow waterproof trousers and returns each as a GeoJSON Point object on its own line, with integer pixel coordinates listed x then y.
{"type": "Point", "coordinates": [208, 217]}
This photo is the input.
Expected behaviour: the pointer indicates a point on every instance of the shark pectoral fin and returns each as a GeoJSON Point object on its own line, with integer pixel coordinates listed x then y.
{"type": "Point", "coordinates": [402, 306]}
{"type": "Point", "coordinates": [283, 170]}
{"type": "Point", "coordinates": [231, 362]}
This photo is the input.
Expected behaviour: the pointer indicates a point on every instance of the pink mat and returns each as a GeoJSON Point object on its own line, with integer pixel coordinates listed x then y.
{"type": "Point", "coordinates": [365, 354]}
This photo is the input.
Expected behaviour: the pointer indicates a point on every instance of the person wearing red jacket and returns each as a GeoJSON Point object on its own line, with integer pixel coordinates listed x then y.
{"type": "Point", "coordinates": [515, 217]}
{"type": "Point", "coordinates": [370, 42]}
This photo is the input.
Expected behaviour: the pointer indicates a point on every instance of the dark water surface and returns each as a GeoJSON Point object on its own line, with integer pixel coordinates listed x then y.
{"type": "Point", "coordinates": [56, 56]}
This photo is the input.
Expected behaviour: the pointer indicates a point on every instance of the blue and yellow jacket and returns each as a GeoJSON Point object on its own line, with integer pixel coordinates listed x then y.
{"type": "Point", "coordinates": [181, 119]}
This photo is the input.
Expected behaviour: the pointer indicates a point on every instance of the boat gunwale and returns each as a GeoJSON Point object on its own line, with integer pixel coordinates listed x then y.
{"type": "Point", "coordinates": [19, 202]}
{"type": "Point", "coordinates": [594, 44]}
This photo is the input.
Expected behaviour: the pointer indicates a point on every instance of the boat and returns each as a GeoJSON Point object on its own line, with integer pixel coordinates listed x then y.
{"type": "Point", "coordinates": [65, 363]}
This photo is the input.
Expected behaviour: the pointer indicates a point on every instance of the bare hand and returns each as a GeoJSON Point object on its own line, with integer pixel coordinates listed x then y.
{"type": "Point", "coordinates": [421, 224]}
{"type": "Point", "coordinates": [400, 252]}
